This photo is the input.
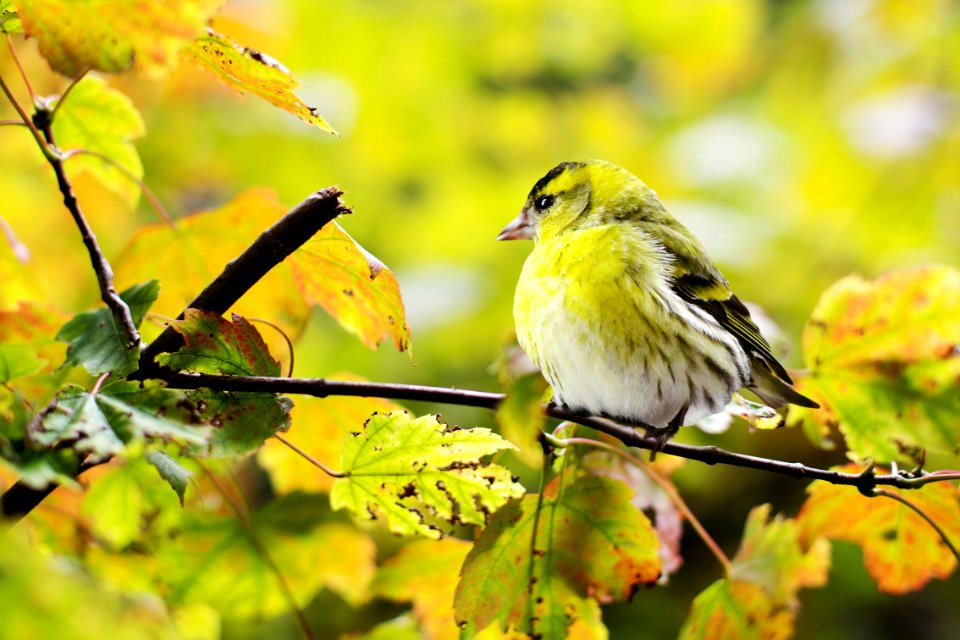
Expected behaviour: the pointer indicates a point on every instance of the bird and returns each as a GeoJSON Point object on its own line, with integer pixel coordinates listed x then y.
{"type": "Point", "coordinates": [624, 312]}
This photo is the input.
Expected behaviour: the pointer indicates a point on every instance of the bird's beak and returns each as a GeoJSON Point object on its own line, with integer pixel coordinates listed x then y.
{"type": "Point", "coordinates": [518, 229]}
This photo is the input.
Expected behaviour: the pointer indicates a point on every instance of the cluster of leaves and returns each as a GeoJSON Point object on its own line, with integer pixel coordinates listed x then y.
{"type": "Point", "coordinates": [882, 357]}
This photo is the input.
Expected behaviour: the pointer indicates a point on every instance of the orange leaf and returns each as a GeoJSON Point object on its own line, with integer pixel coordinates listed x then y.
{"type": "Point", "coordinates": [901, 550]}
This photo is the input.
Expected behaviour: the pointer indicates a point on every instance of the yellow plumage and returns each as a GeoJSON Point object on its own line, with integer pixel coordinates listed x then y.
{"type": "Point", "coordinates": [623, 311]}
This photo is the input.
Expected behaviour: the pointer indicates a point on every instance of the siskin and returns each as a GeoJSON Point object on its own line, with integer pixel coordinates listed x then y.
{"type": "Point", "coordinates": [623, 311]}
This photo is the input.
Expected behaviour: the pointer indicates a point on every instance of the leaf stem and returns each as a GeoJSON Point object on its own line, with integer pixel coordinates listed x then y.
{"type": "Point", "coordinates": [23, 74]}
{"type": "Point", "coordinates": [920, 512]}
{"type": "Point", "coordinates": [148, 193]}
{"type": "Point", "coordinates": [46, 149]}
{"type": "Point", "coordinates": [285, 337]}
{"type": "Point", "coordinates": [20, 250]}
{"type": "Point", "coordinates": [66, 92]}
{"type": "Point", "coordinates": [306, 456]}
{"type": "Point", "coordinates": [668, 488]}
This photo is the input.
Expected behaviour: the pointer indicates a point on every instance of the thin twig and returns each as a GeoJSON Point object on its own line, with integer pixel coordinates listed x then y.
{"type": "Point", "coordinates": [324, 387]}
{"type": "Point", "coordinates": [148, 193]}
{"type": "Point", "coordinates": [264, 554]}
{"type": "Point", "coordinates": [45, 148]}
{"type": "Point", "coordinates": [668, 488]}
{"type": "Point", "coordinates": [23, 74]}
{"type": "Point", "coordinates": [118, 308]}
{"type": "Point", "coordinates": [66, 92]}
{"type": "Point", "coordinates": [12, 123]}
{"type": "Point", "coordinates": [306, 456]}
{"type": "Point", "coordinates": [920, 512]}
{"type": "Point", "coordinates": [20, 250]}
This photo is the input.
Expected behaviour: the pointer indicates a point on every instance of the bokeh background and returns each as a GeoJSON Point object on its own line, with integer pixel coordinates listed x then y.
{"type": "Point", "coordinates": [800, 140]}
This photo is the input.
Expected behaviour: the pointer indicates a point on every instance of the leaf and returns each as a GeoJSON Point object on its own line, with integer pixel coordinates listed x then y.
{"type": "Point", "coordinates": [425, 572]}
{"type": "Point", "coordinates": [240, 421]}
{"type": "Point", "coordinates": [193, 253]}
{"type": "Point", "coordinates": [754, 414]}
{"type": "Point", "coordinates": [217, 346]}
{"type": "Point", "coordinates": [590, 543]}
{"type": "Point", "coordinates": [96, 342]}
{"type": "Point", "coordinates": [399, 468]}
{"type": "Point", "coordinates": [18, 360]}
{"type": "Point", "coordinates": [759, 598]}
{"type": "Point", "coordinates": [100, 119]}
{"type": "Point", "coordinates": [400, 628]}
{"type": "Point", "coordinates": [100, 426]}
{"type": "Point", "coordinates": [229, 564]}
{"type": "Point", "coordinates": [521, 416]}
{"type": "Point", "coordinates": [901, 550]}
{"type": "Point", "coordinates": [884, 363]}
{"type": "Point", "coordinates": [358, 290]}
{"type": "Point", "coordinates": [9, 20]}
{"type": "Point", "coordinates": [647, 497]}
{"type": "Point", "coordinates": [76, 35]}
{"type": "Point", "coordinates": [171, 471]}
{"type": "Point", "coordinates": [319, 425]}
{"type": "Point", "coordinates": [244, 69]}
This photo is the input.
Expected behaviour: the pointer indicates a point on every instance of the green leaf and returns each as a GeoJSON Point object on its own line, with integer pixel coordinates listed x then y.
{"type": "Point", "coordinates": [96, 342]}
{"type": "Point", "coordinates": [171, 471]}
{"type": "Point", "coordinates": [100, 426]}
{"type": "Point", "coordinates": [17, 360]}
{"type": "Point", "coordinates": [240, 421]}
{"type": "Point", "coordinates": [759, 598]}
{"type": "Point", "coordinates": [400, 628]}
{"type": "Point", "coordinates": [218, 346]}
{"type": "Point", "coordinates": [97, 118]}
{"type": "Point", "coordinates": [521, 416]}
{"type": "Point", "coordinates": [246, 70]}
{"type": "Point", "coordinates": [233, 565]}
{"type": "Point", "coordinates": [402, 468]}
{"type": "Point", "coordinates": [590, 543]}
{"type": "Point", "coordinates": [9, 20]}
{"type": "Point", "coordinates": [352, 285]}
{"type": "Point", "coordinates": [884, 360]}
{"type": "Point", "coordinates": [76, 35]}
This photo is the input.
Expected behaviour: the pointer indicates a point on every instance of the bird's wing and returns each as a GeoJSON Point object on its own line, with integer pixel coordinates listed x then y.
{"type": "Point", "coordinates": [698, 281]}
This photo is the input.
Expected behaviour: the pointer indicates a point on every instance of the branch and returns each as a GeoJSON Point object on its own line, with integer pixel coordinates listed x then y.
{"type": "Point", "coordinates": [118, 308]}
{"type": "Point", "coordinates": [323, 387]}
{"type": "Point", "coordinates": [241, 273]}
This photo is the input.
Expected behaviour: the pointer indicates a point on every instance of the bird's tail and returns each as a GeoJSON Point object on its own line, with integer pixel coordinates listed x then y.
{"type": "Point", "coordinates": [775, 391]}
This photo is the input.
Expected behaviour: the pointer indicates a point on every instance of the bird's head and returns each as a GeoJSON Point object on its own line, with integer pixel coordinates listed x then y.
{"type": "Point", "coordinates": [575, 195]}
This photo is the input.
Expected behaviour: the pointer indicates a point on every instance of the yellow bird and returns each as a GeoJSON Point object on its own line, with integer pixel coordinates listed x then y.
{"type": "Point", "coordinates": [623, 311]}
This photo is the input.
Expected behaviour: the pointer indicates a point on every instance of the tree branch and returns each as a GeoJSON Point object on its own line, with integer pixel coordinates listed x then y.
{"type": "Point", "coordinates": [241, 273]}
{"type": "Point", "coordinates": [323, 387]}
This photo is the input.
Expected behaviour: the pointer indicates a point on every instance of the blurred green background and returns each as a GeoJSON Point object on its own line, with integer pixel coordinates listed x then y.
{"type": "Point", "coordinates": [800, 140]}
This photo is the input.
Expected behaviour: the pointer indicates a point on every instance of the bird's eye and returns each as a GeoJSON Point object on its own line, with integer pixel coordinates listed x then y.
{"type": "Point", "coordinates": [544, 202]}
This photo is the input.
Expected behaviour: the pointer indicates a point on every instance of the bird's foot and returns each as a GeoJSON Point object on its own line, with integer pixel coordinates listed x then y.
{"type": "Point", "coordinates": [663, 435]}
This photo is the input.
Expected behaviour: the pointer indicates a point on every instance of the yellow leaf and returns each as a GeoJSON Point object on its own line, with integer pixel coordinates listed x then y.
{"type": "Point", "coordinates": [76, 35]}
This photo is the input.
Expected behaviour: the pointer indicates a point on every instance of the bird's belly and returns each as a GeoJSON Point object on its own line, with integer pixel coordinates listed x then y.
{"type": "Point", "coordinates": [611, 359]}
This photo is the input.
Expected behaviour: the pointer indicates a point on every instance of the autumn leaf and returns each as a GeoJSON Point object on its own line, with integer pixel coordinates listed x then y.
{"type": "Point", "coordinates": [901, 550]}
{"type": "Point", "coordinates": [9, 20]}
{"type": "Point", "coordinates": [194, 252]}
{"type": "Point", "coordinates": [318, 426]}
{"type": "Point", "coordinates": [333, 271]}
{"type": "Point", "coordinates": [884, 362]}
{"type": "Point", "coordinates": [18, 360]}
{"type": "Point", "coordinates": [403, 469]}
{"type": "Point", "coordinates": [233, 566]}
{"type": "Point", "coordinates": [246, 70]}
{"type": "Point", "coordinates": [96, 118]}
{"type": "Point", "coordinates": [591, 543]}
{"type": "Point", "coordinates": [521, 415]}
{"type": "Point", "coordinates": [215, 345]}
{"type": "Point", "coordinates": [425, 572]}
{"type": "Point", "coordinates": [96, 342]}
{"type": "Point", "coordinates": [114, 36]}
{"type": "Point", "coordinates": [759, 598]}
{"type": "Point", "coordinates": [101, 425]}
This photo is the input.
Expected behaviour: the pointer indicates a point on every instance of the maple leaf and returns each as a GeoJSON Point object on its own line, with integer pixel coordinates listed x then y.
{"type": "Point", "coordinates": [246, 70]}
{"type": "Point", "coordinates": [403, 468]}
{"type": "Point", "coordinates": [901, 550]}
{"type": "Point", "coordinates": [537, 570]}
{"type": "Point", "coordinates": [884, 362]}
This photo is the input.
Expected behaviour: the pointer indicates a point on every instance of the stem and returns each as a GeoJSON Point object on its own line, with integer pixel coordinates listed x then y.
{"type": "Point", "coordinates": [306, 456]}
{"type": "Point", "coordinates": [45, 148]}
{"type": "Point", "coordinates": [264, 553]}
{"type": "Point", "coordinates": [20, 250]}
{"type": "Point", "coordinates": [285, 337]}
{"type": "Point", "coordinates": [148, 193]}
{"type": "Point", "coordinates": [66, 92]}
{"type": "Point", "coordinates": [920, 512]}
{"type": "Point", "coordinates": [668, 488]}
{"type": "Point", "coordinates": [23, 74]}
{"type": "Point", "coordinates": [118, 308]}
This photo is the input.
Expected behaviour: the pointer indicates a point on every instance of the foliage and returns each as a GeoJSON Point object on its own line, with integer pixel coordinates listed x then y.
{"type": "Point", "coordinates": [822, 138]}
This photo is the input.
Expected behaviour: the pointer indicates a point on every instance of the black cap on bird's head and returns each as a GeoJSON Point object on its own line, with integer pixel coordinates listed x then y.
{"type": "Point", "coordinates": [541, 198]}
